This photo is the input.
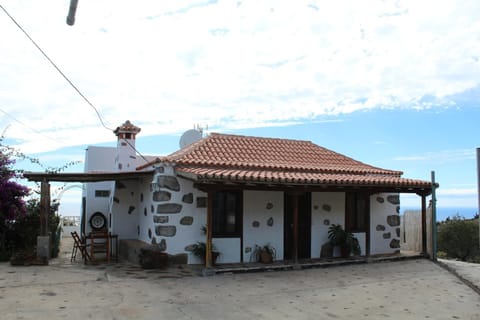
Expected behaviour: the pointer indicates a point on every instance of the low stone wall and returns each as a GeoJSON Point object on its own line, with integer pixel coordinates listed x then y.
{"type": "Point", "coordinates": [130, 249]}
{"type": "Point", "coordinates": [148, 255]}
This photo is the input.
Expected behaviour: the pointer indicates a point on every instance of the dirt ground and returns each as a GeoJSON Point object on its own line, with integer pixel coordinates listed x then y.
{"type": "Point", "coordinates": [410, 289]}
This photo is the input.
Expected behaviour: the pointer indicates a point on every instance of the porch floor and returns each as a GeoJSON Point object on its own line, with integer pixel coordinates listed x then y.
{"type": "Point", "coordinates": [307, 263]}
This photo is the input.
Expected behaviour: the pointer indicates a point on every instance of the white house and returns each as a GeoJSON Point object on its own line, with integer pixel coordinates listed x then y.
{"type": "Point", "coordinates": [244, 191]}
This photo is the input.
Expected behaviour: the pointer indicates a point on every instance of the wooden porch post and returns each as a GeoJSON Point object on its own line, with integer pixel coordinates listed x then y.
{"type": "Point", "coordinates": [208, 252]}
{"type": "Point", "coordinates": [44, 207]}
{"type": "Point", "coordinates": [295, 227]}
{"type": "Point", "coordinates": [424, 224]}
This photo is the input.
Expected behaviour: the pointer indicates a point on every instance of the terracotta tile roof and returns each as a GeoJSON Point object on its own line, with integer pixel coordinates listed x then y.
{"type": "Point", "coordinates": [269, 153]}
{"type": "Point", "coordinates": [234, 158]}
{"type": "Point", "coordinates": [303, 178]}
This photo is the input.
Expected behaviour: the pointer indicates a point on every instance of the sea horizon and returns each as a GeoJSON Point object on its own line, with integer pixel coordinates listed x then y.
{"type": "Point", "coordinates": [449, 212]}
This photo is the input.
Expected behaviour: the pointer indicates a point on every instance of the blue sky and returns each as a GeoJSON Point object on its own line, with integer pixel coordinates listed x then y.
{"type": "Point", "coordinates": [395, 84]}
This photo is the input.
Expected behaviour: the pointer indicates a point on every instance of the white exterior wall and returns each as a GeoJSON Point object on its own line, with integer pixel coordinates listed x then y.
{"type": "Point", "coordinates": [97, 159]}
{"type": "Point", "coordinates": [384, 229]}
{"type": "Point", "coordinates": [185, 226]}
{"type": "Point", "coordinates": [125, 210]}
{"type": "Point", "coordinates": [327, 208]}
{"type": "Point", "coordinates": [255, 209]}
{"type": "Point", "coordinates": [125, 159]}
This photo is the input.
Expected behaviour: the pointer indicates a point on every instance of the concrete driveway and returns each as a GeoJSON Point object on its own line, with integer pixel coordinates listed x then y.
{"type": "Point", "coordinates": [412, 289]}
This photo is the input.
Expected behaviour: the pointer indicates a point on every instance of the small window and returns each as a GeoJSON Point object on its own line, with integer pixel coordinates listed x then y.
{"type": "Point", "coordinates": [357, 208]}
{"type": "Point", "coordinates": [227, 214]}
{"type": "Point", "coordinates": [102, 193]}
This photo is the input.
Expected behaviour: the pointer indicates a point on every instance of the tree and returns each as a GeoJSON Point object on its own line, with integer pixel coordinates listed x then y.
{"type": "Point", "coordinates": [458, 238]}
{"type": "Point", "coordinates": [12, 205]}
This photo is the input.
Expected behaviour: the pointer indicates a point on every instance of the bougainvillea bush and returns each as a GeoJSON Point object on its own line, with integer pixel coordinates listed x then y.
{"type": "Point", "coordinates": [12, 204]}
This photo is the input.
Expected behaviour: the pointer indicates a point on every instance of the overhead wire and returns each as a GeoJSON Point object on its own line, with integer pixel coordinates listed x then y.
{"type": "Point", "coordinates": [27, 126]}
{"type": "Point", "coordinates": [56, 67]}
{"type": "Point", "coordinates": [67, 79]}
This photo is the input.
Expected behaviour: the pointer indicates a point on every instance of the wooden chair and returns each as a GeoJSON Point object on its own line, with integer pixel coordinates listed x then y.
{"type": "Point", "coordinates": [79, 245]}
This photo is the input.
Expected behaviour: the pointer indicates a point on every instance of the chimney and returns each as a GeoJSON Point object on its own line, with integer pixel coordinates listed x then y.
{"type": "Point", "coordinates": [126, 157]}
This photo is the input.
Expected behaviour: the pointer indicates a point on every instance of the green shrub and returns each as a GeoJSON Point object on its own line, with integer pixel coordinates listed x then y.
{"type": "Point", "coordinates": [458, 238]}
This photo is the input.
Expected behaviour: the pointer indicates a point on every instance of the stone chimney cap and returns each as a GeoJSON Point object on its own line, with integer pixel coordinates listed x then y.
{"type": "Point", "coordinates": [127, 127]}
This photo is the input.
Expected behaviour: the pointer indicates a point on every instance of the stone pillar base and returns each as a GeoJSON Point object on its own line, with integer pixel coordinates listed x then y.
{"type": "Point", "coordinates": [43, 248]}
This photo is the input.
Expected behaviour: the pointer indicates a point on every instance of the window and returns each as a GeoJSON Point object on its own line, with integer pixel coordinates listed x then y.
{"type": "Point", "coordinates": [227, 214]}
{"type": "Point", "coordinates": [102, 193]}
{"type": "Point", "coordinates": [357, 208]}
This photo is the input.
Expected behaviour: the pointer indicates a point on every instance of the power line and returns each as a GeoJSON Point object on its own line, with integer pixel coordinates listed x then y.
{"type": "Point", "coordinates": [27, 126]}
{"type": "Point", "coordinates": [67, 79]}
{"type": "Point", "coordinates": [57, 68]}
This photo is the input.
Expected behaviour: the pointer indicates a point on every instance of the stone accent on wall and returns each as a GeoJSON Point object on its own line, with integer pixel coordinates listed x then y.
{"type": "Point", "coordinates": [160, 219]}
{"type": "Point", "coordinates": [186, 221]}
{"type": "Point", "coordinates": [270, 222]}
{"type": "Point", "coordinates": [326, 222]}
{"type": "Point", "coordinates": [380, 200]}
{"type": "Point", "coordinates": [327, 207]}
{"type": "Point", "coordinates": [387, 235]}
{"type": "Point", "coordinates": [269, 206]}
{"type": "Point", "coordinates": [169, 182]}
{"type": "Point", "coordinates": [131, 209]}
{"type": "Point", "coordinates": [201, 202]}
{"type": "Point", "coordinates": [161, 196]}
{"type": "Point", "coordinates": [165, 231]}
{"type": "Point", "coordinates": [394, 199]}
{"type": "Point", "coordinates": [395, 243]}
{"type": "Point", "coordinates": [162, 246]}
{"type": "Point", "coordinates": [255, 224]}
{"type": "Point", "coordinates": [380, 227]}
{"type": "Point", "coordinates": [187, 198]}
{"type": "Point", "coordinates": [393, 220]}
{"type": "Point", "coordinates": [169, 208]}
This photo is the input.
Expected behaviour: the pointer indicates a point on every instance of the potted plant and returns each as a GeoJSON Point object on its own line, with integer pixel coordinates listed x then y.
{"type": "Point", "coordinates": [264, 254]}
{"type": "Point", "coordinates": [200, 250]}
{"type": "Point", "coordinates": [345, 240]}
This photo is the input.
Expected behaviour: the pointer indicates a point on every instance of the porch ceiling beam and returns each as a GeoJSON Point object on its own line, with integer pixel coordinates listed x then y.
{"type": "Point", "coordinates": [86, 177]}
{"type": "Point", "coordinates": [218, 185]}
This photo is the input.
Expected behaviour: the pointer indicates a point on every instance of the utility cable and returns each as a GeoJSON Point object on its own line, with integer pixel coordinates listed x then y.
{"type": "Point", "coordinates": [57, 68]}
{"type": "Point", "coordinates": [23, 124]}
{"type": "Point", "coordinates": [66, 78]}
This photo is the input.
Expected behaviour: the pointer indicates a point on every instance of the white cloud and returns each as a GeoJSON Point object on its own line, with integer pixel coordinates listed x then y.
{"type": "Point", "coordinates": [167, 64]}
{"type": "Point", "coordinates": [441, 156]}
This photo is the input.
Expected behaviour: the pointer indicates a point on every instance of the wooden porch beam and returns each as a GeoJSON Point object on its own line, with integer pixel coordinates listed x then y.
{"type": "Point", "coordinates": [208, 251]}
{"type": "Point", "coordinates": [44, 207]}
{"type": "Point", "coordinates": [295, 227]}
{"type": "Point", "coordinates": [424, 225]}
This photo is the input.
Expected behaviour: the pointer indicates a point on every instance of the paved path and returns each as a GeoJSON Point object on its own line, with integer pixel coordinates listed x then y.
{"type": "Point", "coordinates": [411, 289]}
{"type": "Point", "coordinates": [469, 272]}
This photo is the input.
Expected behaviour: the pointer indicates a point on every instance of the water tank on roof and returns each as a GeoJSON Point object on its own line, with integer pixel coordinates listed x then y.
{"type": "Point", "coordinates": [189, 137]}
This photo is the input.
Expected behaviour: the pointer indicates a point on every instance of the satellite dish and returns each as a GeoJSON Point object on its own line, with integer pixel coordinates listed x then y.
{"type": "Point", "coordinates": [189, 137]}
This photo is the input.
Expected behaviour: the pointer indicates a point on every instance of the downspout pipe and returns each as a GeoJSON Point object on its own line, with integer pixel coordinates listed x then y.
{"type": "Point", "coordinates": [434, 218]}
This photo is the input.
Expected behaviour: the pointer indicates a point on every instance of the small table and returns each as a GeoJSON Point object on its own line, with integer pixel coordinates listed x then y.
{"type": "Point", "coordinates": [104, 242]}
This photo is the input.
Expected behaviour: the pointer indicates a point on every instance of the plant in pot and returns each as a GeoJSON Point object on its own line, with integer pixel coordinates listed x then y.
{"type": "Point", "coordinates": [200, 250]}
{"type": "Point", "coordinates": [264, 254]}
{"type": "Point", "coordinates": [345, 240]}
